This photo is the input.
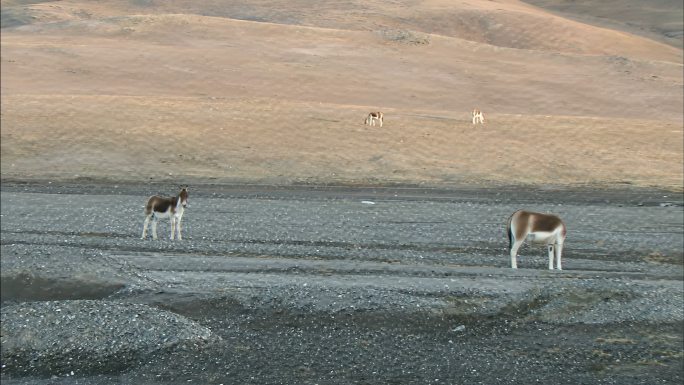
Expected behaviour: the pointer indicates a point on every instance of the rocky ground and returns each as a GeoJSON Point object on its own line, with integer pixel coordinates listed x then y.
{"type": "Point", "coordinates": [338, 285]}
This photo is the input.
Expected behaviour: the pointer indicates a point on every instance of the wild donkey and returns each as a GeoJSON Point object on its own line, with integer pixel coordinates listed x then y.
{"type": "Point", "coordinates": [478, 116]}
{"type": "Point", "coordinates": [162, 207]}
{"type": "Point", "coordinates": [538, 229]}
{"type": "Point", "coordinates": [373, 117]}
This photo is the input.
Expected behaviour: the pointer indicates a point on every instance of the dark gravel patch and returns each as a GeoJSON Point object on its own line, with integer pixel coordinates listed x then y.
{"type": "Point", "coordinates": [83, 337]}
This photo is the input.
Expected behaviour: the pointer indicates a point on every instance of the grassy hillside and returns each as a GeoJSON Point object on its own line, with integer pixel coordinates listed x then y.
{"type": "Point", "coordinates": [278, 90]}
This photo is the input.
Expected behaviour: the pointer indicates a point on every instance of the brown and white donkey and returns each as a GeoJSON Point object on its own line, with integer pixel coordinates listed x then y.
{"type": "Point", "coordinates": [166, 207]}
{"type": "Point", "coordinates": [374, 117]}
{"type": "Point", "coordinates": [478, 116]}
{"type": "Point", "coordinates": [537, 228]}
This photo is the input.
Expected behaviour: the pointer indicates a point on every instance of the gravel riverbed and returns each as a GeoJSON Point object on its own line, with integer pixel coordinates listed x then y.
{"type": "Point", "coordinates": [338, 285]}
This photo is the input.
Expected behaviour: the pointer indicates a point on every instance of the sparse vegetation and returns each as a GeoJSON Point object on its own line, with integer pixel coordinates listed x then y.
{"type": "Point", "coordinates": [404, 36]}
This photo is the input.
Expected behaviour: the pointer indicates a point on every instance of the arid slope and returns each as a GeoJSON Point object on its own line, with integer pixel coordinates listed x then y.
{"type": "Point", "coordinates": [277, 91]}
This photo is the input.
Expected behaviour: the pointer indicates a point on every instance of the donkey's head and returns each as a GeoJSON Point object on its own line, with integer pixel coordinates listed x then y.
{"type": "Point", "coordinates": [183, 196]}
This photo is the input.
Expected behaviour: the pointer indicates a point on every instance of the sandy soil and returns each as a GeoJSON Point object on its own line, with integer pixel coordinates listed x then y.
{"type": "Point", "coordinates": [278, 92]}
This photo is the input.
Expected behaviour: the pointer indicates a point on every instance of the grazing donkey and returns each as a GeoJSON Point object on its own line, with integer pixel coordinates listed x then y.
{"type": "Point", "coordinates": [162, 207]}
{"type": "Point", "coordinates": [478, 116]}
{"type": "Point", "coordinates": [538, 229]}
{"type": "Point", "coordinates": [374, 117]}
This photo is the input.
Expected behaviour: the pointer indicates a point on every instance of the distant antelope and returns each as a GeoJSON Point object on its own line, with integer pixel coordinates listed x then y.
{"type": "Point", "coordinates": [373, 117]}
{"type": "Point", "coordinates": [162, 207]}
{"type": "Point", "coordinates": [538, 229]}
{"type": "Point", "coordinates": [478, 116]}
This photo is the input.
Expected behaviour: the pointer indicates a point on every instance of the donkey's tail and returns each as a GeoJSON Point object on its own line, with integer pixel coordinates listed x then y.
{"type": "Point", "coordinates": [509, 230]}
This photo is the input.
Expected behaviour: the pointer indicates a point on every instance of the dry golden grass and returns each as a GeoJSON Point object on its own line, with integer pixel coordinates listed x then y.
{"type": "Point", "coordinates": [253, 139]}
{"type": "Point", "coordinates": [121, 90]}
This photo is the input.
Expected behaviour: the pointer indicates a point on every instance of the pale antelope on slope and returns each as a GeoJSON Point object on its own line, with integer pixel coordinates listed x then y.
{"type": "Point", "coordinates": [478, 116]}
{"type": "Point", "coordinates": [537, 228]}
{"type": "Point", "coordinates": [374, 117]}
{"type": "Point", "coordinates": [166, 207]}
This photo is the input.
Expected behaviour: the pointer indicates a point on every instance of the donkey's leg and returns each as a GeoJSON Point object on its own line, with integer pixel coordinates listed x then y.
{"type": "Point", "coordinates": [514, 252]}
{"type": "Point", "coordinates": [173, 227]}
{"type": "Point", "coordinates": [145, 225]}
{"type": "Point", "coordinates": [154, 227]}
{"type": "Point", "coordinates": [551, 254]}
{"type": "Point", "coordinates": [178, 228]}
{"type": "Point", "coordinates": [559, 250]}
